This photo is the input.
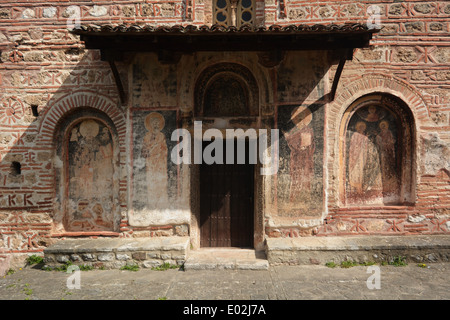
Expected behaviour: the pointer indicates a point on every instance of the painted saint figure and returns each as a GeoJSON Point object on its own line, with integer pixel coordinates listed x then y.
{"type": "Point", "coordinates": [90, 174]}
{"type": "Point", "coordinates": [364, 172]}
{"type": "Point", "coordinates": [88, 130]}
{"type": "Point", "coordinates": [105, 155]}
{"type": "Point", "coordinates": [386, 146]}
{"type": "Point", "coordinates": [154, 150]}
{"type": "Point", "coordinates": [300, 140]}
{"type": "Point", "coordinates": [373, 168]}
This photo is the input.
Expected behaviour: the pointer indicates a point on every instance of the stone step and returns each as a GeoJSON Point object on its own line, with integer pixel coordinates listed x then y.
{"type": "Point", "coordinates": [320, 250]}
{"type": "Point", "coordinates": [226, 258]}
{"type": "Point", "coordinates": [116, 252]}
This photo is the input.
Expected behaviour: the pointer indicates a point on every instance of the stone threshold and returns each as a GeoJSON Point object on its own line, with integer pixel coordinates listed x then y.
{"type": "Point", "coordinates": [320, 250]}
{"type": "Point", "coordinates": [115, 253]}
{"type": "Point", "coordinates": [226, 259]}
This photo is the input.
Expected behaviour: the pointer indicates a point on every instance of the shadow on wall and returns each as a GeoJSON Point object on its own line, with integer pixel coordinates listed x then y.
{"type": "Point", "coordinates": [62, 135]}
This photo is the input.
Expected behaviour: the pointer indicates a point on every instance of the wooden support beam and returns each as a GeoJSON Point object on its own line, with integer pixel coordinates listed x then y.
{"type": "Point", "coordinates": [347, 55]}
{"type": "Point", "coordinates": [119, 85]}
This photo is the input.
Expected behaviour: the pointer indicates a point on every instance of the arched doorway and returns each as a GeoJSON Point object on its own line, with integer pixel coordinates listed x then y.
{"type": "Point", "coordinates": [227, 94]}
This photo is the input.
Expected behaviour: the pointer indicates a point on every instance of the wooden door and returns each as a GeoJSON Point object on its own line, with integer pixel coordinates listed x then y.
{"type": "Point", "coordinates": [226, 205]}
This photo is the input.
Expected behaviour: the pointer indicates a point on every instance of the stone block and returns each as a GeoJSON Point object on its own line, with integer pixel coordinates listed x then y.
{"type": "Point", "coordinates": [88, 257]}
{"type": "Point", "coordinates": [49, 258]}
{"type": "Point", "coordinates": [75, 258]}
{"type": "Point", "coordinates": [62, 258]}
{"type": "Point", "coordinates": [117, 264]}
{"type": "Point", "coordinates": [152, 263]}
{"type": "Point", "coordinates": [166, 256]}
{"type": "Point", "coordinates": [140, 256]}
{"type": "Point", "coordinates": [106, 257]}
{"type": "Point", "coordinates": [123, 256]}
{"type": "Point", "coordinates": [153, 255]}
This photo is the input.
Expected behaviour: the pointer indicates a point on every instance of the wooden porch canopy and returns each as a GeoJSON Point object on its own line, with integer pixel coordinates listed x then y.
{"type": "Point", "coordinates": [170, 42]}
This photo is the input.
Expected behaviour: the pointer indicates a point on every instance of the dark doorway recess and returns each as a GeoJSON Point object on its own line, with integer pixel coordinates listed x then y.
{"type": "Point", "coordinates": [226, 203]}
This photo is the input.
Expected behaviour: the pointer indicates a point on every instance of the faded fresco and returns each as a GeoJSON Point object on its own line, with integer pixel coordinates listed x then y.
{"type": "Point", "coordinates": [90, 175]}
{"type": "Point", "coordinates": [372, 171]}
{"type": "Point", "coordinates": [226, 97]}
{"type": "Point", "coordinates": [153, 83]}
{"type": "Point", "coordinates": [300, 176]}
{"type": "Point", "coordinates": [300, 76]}
{"type": "Point", "coordinates": [154, 174]}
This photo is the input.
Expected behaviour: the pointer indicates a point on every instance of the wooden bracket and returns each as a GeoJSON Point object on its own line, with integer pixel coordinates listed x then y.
{"type": "Point", "coordinates": [346, 55]}
{"type": "Point", "coordinates": [119, 85]}
{"type": "Point", "coordinates": [111, 57]}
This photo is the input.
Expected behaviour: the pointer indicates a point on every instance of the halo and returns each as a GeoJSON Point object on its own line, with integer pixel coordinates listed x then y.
{"type": "Point", "coordinates": [360, 123]}
{"type": "Point", "coordinates": [89, 128]}
{"type": "Point", "coordinates": [384, 122]}
{"type": "Point", "coordinates": [301, 117]}
{"type": "Point", "coordinates": [150, 117]}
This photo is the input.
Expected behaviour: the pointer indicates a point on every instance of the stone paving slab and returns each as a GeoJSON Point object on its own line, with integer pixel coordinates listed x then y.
{"type": "Point", "coordinates": [305, 282]}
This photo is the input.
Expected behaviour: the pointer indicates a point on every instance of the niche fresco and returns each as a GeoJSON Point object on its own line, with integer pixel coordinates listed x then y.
{"type": "Point", "coordinates": [226, 90]}
{"type": "Point", "coordinates": [226, 96]}
{"type": "Point", "coordinates": [372, 154]}
{"type": "Point", "coordinates": [300, 174]}
{"type": "Point", "coordinates": [90, 171]}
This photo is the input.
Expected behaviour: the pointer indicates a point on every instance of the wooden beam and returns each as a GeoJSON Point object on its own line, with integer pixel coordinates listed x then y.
{"type": "Point", "coordinates": [118, 81]}
{"type": "Point", "coordinates": [344, 57]}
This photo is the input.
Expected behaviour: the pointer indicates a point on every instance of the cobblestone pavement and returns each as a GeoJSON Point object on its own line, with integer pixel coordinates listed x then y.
{"type": "Point", "coordinates": [278, 283]}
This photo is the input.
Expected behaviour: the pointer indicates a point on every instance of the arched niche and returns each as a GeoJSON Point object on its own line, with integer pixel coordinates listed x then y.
{"type": "Point", "coordinates": [376, 152]}
{"type": "Point", "coordinates": [226, 90]}
{"type": "Point", "coordinates": [86, 173]}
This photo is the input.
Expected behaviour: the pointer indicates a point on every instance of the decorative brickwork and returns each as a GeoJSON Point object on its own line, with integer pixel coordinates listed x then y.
{"type": "Point", "coordinates": [47, 74]}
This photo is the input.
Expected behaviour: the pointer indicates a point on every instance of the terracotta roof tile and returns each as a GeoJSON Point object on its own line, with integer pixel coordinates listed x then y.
{"type": "Point", "coordinates": [193, 29]}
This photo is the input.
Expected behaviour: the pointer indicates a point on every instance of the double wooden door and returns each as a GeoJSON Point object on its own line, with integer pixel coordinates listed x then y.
{"type": "Point", "coordinates": [226, 204]}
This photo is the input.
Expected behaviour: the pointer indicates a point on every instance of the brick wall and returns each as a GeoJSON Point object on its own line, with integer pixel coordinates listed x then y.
{"type": "Point", "coordinates": [45, 71]}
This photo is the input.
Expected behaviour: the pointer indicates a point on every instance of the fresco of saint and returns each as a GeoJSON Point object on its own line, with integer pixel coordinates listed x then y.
{"type": "Point", "coordinates": [363, 165]}
{"type": "Point", "coordinates": [386, 144]}
{"type": "Point", "coordinates": [90, 177]}
{"type": "Point", "coordinates": [372, 173]}
{"type": "Point", "coordinates": [154, 150]}
{"type": "Point", "coordinates": [300, 140]}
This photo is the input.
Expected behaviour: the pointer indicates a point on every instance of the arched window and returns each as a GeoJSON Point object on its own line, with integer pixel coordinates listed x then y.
{"type": "Point", "coordinates": [376, 154]}
{"type": "Point", "coordinates": [233, 12]}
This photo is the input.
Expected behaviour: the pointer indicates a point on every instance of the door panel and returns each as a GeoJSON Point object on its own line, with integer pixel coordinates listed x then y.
{"type": "Point", "coordinates": [226, 205]}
